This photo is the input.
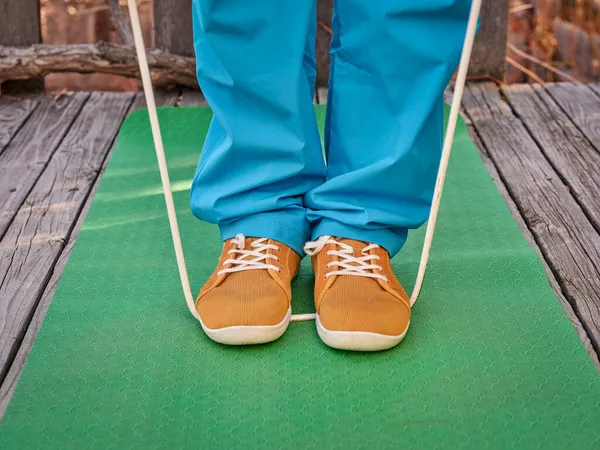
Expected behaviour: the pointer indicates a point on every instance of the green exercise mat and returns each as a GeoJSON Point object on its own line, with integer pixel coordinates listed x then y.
{"type": "Point", "coordinates": [490, 361]}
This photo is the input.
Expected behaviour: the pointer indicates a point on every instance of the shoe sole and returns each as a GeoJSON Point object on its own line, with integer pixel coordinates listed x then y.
{"type": "Point", "coordinates": [248, 334]}
{"type": "Point", "coordinates": [361, 341]}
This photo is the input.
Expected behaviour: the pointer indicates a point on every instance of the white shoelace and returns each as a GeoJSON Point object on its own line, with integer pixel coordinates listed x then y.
{"type": "Point", "coordinates": [257, 251]}
{"type": "Point", "coordinates": [360, 266]}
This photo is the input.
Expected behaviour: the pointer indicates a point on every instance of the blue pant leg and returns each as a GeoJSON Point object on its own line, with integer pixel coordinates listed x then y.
{"type": "Point", "coordinates": [391, 60]}
{"type": "Point", "coordinates": [262, 152]}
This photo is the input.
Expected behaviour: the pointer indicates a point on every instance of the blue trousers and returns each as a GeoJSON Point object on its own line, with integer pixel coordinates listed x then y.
{"type": "Point", "coordinates": [262, 172]}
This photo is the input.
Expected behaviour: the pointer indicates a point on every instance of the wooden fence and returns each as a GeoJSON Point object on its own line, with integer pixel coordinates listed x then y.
{"type": "Point", "coordinates": [20, 26]}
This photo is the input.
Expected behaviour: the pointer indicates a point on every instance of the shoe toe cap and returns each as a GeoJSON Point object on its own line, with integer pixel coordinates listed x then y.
{"type": "Point", "coordinates": [377, 312]}
{"type": "Point", "coordinates": [243, 300]}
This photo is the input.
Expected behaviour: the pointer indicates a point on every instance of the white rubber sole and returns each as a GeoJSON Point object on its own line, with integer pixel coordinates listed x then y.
{"type": "Point", "coordinates": [248, 335]}
{"type": "Point", "coordinates": [361, 341]}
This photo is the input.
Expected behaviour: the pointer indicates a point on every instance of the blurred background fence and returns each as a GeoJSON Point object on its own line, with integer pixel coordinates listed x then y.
{"type": "Point", "coordinates": [520, 40]}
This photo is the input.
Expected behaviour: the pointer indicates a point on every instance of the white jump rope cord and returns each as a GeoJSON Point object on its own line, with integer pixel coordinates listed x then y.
{"type": "Point", "coordinates": [164, 171]}
{"type": "Point", "coordinates": [459, 86]}
{"type": "Point", "coordinates": [160, 154]}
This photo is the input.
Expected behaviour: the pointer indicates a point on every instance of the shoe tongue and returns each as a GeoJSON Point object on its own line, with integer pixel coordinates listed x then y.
{"type": "Point", "coordinates": [356, 245]}
{"type": "Point", "coordinates": [247, 243]}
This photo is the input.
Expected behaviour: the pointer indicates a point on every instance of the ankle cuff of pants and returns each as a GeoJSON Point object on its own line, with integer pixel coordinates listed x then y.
{"type": "Point", "coordinates": [269, 225]}
{"type": "Point", "coordinates": [391, 240]}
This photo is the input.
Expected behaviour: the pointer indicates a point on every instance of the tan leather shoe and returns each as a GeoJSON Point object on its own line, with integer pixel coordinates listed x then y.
{"type": "Point", "coordinates": [247, 300]}
{"type": "Point", "coordinates": [359, 301]}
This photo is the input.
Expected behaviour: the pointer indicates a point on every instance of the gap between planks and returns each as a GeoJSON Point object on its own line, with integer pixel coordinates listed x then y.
{"type": "Point", "coordinates": [13, 114]}
{"type": "Point", "coordinates": [25, 158]}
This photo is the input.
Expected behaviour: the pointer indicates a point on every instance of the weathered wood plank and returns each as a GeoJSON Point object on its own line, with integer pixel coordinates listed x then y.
{"type": "Point", "coordinates": [489, 50]}
{"type": "Point", "coordinates": [448, 96]}
{"type": "Point", "coordinates": [576, 45]}
{"type": "Point", "coordinates": [37, 236]}
{"type": "Point", "coordinates": [566, 238]}
{"type": "Point", "coordinates": [173, 26]}
{"type": "Point", "coordinates": [582, 104]}
{"type": "Point", "coordinates": [323, 39]}
{"type": "Point", "coordinates": [20, 23]}
{"type": "Point", "coordinates": [161, 98]}
{"type": "Point", "coordinates": [192, 98]}
{"type": "Point", "coordinates": [20, 26]}
{"type": "Point", "coordinates": [569, 152]}
{"type": "Point", "coordinates": [512, 206]}
{"type": "Point", "coordinates": [593, 86]}
{"type": "Point", "coordinates": [9, 383]}
{"type": "Point", "coordinates": [322, 93]}
{"type": "Point", "coordinates": [8, 386]}
{"type": "Point", "coordinates": [25, 158]}
{"type": "Point", "coordinates": [13, 114]}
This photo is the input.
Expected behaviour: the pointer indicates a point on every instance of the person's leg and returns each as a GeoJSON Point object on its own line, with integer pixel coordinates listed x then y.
{"type": "Point", "coordinates": [390, 63]}
{"type": "Point", "coordinates": [261, 155]}
{"type": "Point", "coordinates": [263, 151]}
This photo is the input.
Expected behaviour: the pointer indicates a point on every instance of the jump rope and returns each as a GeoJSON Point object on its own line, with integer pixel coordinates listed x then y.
{"type": "Point", "coordinates": [459, 86]}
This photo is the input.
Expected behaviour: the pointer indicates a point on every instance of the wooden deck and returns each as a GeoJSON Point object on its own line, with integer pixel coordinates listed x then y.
{"type": "Point", "coordinates": [541, 145]}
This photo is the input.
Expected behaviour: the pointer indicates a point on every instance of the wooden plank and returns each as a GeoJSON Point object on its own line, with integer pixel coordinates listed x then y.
{"type": "Point", "coordinates": [9, 383]}
{"type": "Point", "coordinates": [489, 50]}
{"type": "Point", "coordinates": [574, 44]}
{"type": "Point", "coordinates": [192, 98]}
{"type": "Point", "coordinates": [569, 152]}
{"type": "Point", "coordinates": [563, 233]}
{"type": "Point", "coordinates": [161, 98]}
{"type": "Point", "coordinates": [322, 95]}
{"type": "Point", "coordinates": [8, 386]}
{"type": "Point", "coordinates": [25, 158]}
{"type": "Point", "coordinates": [448, 96]}
{"type": "Point", "coordinates": [593, 86]}
{"type": "Point", "coordinates": [512, 206]}
{"type": "Point", "coordinates": [20, 26]}
{"type": "Point", "coordinates": [20, 23]}
{"type": "Point", "coordinates": [323, 39]}
{"type": "Point", "coordinates": [173, 26]}
{"type": "Point", "coordinates": [37, 236]}
{"type": "Point", "coordinates": [582, 104]}
{"type": "Point", "coordinates": [13, 114]}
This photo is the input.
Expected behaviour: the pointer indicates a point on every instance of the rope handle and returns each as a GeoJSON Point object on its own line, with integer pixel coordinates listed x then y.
{"type": "Point", "coordinates": [164, 171]}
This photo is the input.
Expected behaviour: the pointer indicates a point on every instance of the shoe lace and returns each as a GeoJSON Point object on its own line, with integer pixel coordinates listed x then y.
{"type": "Point", "coordinates": [348, 264]}
{"type": "Point", "coordinates": [253, 258]}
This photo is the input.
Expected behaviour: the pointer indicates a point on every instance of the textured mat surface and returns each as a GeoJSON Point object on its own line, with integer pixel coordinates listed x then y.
{"type": "Point", "coordinates": [490, 361]}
